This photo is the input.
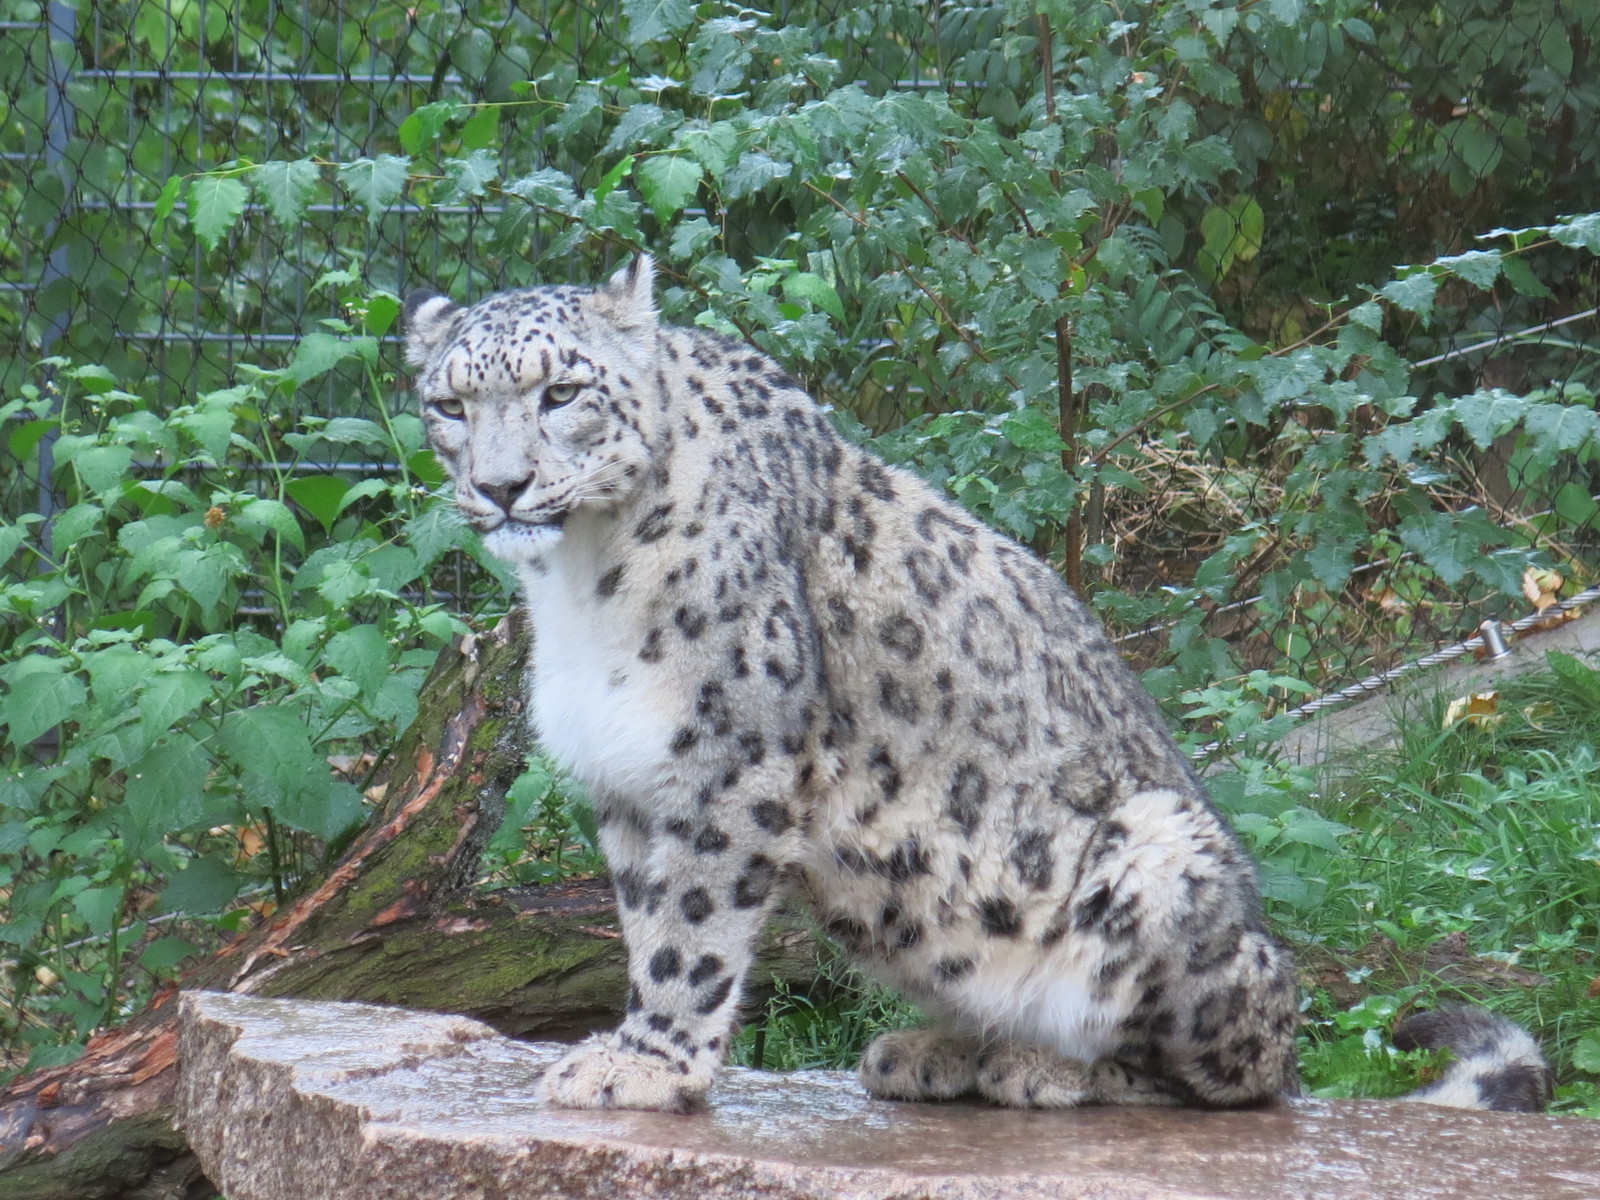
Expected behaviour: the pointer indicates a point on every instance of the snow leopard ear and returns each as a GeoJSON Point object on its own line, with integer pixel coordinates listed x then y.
{"type": "Point", "coordinates": [629, 296]}
{"type": "Point", "coordinates": [426, 315]}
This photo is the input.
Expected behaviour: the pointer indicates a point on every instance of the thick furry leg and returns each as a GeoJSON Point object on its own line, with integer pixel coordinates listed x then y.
{"type": "Point", "coordinates": [1018, 1075]}
{"type": "Point", "coordinates": [920, 1064]}
{"type": "Point", "coordinates": [1497, 1065]}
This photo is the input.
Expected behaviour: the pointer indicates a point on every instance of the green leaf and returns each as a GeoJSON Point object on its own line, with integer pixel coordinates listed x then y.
{"type": "Point", "coordinates": [546, 188]}
{"type": "Point", "coordinates": [1575, 506]}
{"type": "Point", "coordinates": [470, 176]}
{"type": "Point", "coordinates": [166, 202]}
{"type": "Point", "coordinates": [343, 581]}
{"type": "Point", "coordinates": [1034, 430]}
{"type": "Point", "coordinates": [691, 237]}
{"type": "Point", "coordinates": [716, 147]}
{"type": "Point", "coordinates": [1450, 542]}
{"type": "Point", "coordinates": [1478, 267]}
{"type": "Point", "coordinates": [1368, 316]}
{"type": "Point", "coordinates": [39, 701]}
{"type": "Point", "coordinates": [1560, 428]}
{"type": "Point", "coordinates": [215, 204]}
{"type": "Point", "coordinates": [753, 172]}
{"type": "Point", "coordinates": [608, 182]}
{"type": "Point", "coordinates": [376, 183]}
{"type": "Point", "coordinates": [1308, 829]}
{"type": "Point", "coordinates": [170, 697]}
{"type": "Point", "coordinates": [286, 187]}
{"type": "Point", "coordinates": [1579, 232]}
{"type": "Point", "coordinates": [1230, 234]}
{"type": "Point", "coordinates": [1521, 277]}
{"type": "Point", "coordinates": [667, 183]}
{"type": "Point", "coordinates": [482, 129]}
{"type": "Point", "coordinates": [1287, 378]}
{"type": "Point", "coordinates": [382, 311]}
{"type": "Point", "coordinates": [163, 954]}
{"type": "Point", "coordinates": [271, 747]}
{"type": "Point", "coordinates": [805, 285]}
{"type": "Point", "coordinates": [361, 653]}
{"type": "Point", "coordinates": [436, 529]}
{"type": "Point", "coordinates": [1586, 1053]}
{"type": "Point", "coordinates": [12, 536]}
{"type": "Point", "coordinates": [206, 885]}
{"type": "Point", "coordinates": [364, 490]}
{"type": "Point", "coordinates": [1414, 293]}
{"type": "Point", "coordinates": [319, 495]}
{"type": "Point", "coordinates": [78, 522]}
{"type": "Point", "coordinates": [203, 575]}
{"type": "Point", "coordinates": [211, 429]}
{"type": "Point", "coordinates": [1332, 561]}
{"type": "Point", "coordinates": [319, 352]}
{"type": "Point", "coordinates": [1486, 415]}
{"type": "Point", "coordinates": [641, 125]}
{"type": "Point", "coordinates": [650, 20]}
{"type": "Point", "coordinates": [165, 793]}
{"type": "Point", "coordinates": [420, 129]}
{"type": "Point", "coordinates": [349, 431]}
{"type": "Point", "coordinates": [392, 567]}
{"type": "Point", "coordinates": [274, 515]}
{"type": "Point", "coordinates": [99, 907]}
{"type": "Point", "coordinates": [99, 468]}
{"type": "Point", "coordinates": [581, 105]}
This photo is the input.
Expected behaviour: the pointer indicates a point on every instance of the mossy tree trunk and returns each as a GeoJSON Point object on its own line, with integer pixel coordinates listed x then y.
{"type": "Point", "coordinates": [394, 921]}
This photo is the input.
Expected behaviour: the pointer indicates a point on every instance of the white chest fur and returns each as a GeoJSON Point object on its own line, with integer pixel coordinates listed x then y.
{"type": "Point", "coordinates": [596, 708]}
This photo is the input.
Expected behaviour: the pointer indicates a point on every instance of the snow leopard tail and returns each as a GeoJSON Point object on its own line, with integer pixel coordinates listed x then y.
{"type": "Point", "coordinates": [1496, 1065]}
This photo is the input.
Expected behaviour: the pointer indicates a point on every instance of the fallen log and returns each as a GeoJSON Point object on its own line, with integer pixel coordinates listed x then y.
{"type": "Point", "coordinates": [394, 921]}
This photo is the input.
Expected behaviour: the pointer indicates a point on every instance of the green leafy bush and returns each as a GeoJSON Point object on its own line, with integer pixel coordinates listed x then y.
{"type": "Point", "coordinates": [215, 620]}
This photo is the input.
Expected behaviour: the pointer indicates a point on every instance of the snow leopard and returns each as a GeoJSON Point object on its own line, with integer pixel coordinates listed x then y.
{"type": "Point", "coordinates": [782, 667]}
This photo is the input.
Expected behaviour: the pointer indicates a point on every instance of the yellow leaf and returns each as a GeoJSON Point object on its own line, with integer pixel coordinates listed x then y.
{"type": "Point", "coordinates": [1542, 587]}
{"type": "Point", "coordinates": [1476, 709]}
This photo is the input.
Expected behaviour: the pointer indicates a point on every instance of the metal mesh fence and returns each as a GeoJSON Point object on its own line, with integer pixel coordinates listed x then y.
{"type": "Point", "coordinates": [1415, 127]}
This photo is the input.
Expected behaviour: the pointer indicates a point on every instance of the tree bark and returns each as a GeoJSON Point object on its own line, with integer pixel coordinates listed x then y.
{"type": "Point", "coordinates": [392, 922]}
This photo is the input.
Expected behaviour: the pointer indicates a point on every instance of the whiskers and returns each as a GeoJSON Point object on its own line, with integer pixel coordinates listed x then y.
{"type": "Point", "coordinates": [604, 484]}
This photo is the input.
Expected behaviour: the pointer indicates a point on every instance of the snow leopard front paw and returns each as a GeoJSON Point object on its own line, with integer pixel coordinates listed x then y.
{"type": "Point", "coordinates": [920, 1064]}
{"type": "Point", "coordinates": [1023, 1076]}
{"type": "Point", "coordinates": [1019, 1075]}
{"type": "Point", "coordinates": [603, 1073]}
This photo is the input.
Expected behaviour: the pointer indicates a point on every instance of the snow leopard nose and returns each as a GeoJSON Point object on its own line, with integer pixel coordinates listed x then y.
{"type": "Point", "coordinates": [504, 495]}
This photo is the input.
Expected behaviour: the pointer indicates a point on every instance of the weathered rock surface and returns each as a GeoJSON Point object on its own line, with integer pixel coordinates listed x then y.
{"type": "Point", "coordinates": [300, 1100]}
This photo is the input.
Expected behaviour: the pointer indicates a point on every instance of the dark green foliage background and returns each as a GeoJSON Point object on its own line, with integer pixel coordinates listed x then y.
{"type": "Point", "coordinates": [1131, 282]}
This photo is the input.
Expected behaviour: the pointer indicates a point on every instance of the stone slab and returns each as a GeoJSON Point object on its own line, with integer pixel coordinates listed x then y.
{"type": "Point", "coordinates": [303, 1100]}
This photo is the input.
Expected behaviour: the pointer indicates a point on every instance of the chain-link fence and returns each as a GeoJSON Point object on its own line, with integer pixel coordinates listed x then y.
{"type": "Point", "coordinates": [1393, 135]}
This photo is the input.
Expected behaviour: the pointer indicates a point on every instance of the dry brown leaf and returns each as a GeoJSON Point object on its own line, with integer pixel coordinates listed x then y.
{"type": "Point", "coordinates": [1476, 709]}
{"type": "Point", "coordinates": [252, 841]}
{"type": "Point", "coordinates": [1542, 587]}
{"type": "Point", "coordinates": [1390, 601]}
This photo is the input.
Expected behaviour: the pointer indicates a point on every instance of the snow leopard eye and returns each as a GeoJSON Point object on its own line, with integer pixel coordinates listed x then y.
{"type": "Point", "coordinates": [558, 394]}
{"type": "Point", "coordinates": [449, 407]}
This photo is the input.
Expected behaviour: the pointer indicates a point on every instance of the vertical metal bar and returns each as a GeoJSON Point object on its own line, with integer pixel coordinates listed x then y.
{"type": "Point", "coordinates": [169, 165]}
{"type": "Point", "coordinates": [197, 109]}
{"type": "Point", "coordinates": [59, 127]}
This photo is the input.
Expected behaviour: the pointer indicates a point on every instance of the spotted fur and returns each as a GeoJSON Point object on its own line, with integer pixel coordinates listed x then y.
{"type": "Point", "coordinates": [780, 665]}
